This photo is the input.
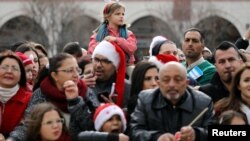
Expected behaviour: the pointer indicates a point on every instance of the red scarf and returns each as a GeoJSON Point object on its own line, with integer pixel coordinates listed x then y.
{"type": "Point", "coordinates": [64, 137]}
{"type": "Point", "coordinates": [57, 97]}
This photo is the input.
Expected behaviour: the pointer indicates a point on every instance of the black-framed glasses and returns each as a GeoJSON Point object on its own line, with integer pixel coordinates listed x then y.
{"type": "Point", "coordinates": [52, 122]}
{"type": "Point", "coordinates": [101, 61]}
{"type": "Point", "coordinates": [71, 70]}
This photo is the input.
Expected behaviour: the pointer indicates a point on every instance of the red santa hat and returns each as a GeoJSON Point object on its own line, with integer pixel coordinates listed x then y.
{"type": "Point", "coordinates": [116, 55]}
{"type": "Point", "coordinates": [25, 59]}
{"type": "Point", "coordinates": [162, 59]}
{"type": "Point", "coordinates": [104, 112]}
{"type": "Point", "coordinates": [154, 41]}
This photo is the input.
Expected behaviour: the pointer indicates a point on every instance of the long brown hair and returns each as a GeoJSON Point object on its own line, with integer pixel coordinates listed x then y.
{"type": "Point", "coordinates": [234, 100]}
{"type": "Point", "coordinates": [34, 121]}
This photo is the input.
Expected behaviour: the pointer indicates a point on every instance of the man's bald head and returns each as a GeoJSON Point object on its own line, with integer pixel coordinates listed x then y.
{"type": "Point", "coordinates": [172, 65]}
{"type": "Point", "coordinates": [173, 81]}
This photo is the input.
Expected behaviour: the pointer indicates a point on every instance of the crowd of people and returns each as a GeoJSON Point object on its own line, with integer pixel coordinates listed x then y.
{"type": "Point", "coordinates": [101, 94]}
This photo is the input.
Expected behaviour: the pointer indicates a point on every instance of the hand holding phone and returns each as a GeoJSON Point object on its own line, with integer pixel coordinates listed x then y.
{"type": "Point", "coordinates": [90, 79]}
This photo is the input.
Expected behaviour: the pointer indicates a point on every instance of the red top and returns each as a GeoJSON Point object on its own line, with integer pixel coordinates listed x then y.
{"type": "Point", "coordinates": [129, 45]}
{"type": "Point", "coordinates": [13, 111]}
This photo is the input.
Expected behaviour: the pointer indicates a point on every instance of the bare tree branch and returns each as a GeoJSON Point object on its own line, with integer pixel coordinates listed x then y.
{"type": "Point", "coordinates": [53, 15]}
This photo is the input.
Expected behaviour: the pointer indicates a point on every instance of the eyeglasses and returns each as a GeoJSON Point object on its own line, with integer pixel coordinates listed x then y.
{"type": "Point", "coordinates": [52, 122]}
{"type": "Point", "coordinates": [101, 61]}
{"type": "Point", "coordinates": [72, 70]}
{"type": "Point", "coordinates": [11, 68]}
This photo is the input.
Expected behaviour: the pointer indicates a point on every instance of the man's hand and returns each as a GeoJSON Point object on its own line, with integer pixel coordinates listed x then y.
{"type": "Point", "coordinates": [70, 89]}
{"type": "Point", "coordinates": [90, 80]}
{"type": "Point", "coordinates": [187, 133]}
{"type": "Point", "coordinates": [167, 137]}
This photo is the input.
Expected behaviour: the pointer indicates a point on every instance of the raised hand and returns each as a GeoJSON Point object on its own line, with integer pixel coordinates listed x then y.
{"type": "Point", "coordinates": [70, 89]}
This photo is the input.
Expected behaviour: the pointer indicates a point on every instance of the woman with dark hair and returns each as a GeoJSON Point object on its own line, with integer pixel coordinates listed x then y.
{"type": "Point", "coordinates": [239, 98]}
{"type": "Point", "coordinates": [165, 47]}
{"type": "Point", "coordinates": [46, 122]}
{"type": "Point", "coordinates": [113, 29]}
{"type": "Point", "coordinates": [14, 97]}
{"type": "Point", "coordinates": [42, 54]}
{"type": "Point", "coordinates": [51, 87]}
{"type": "Point", "coordinates": [231, 117]}
{"type": "Point", "coordinates": [144, 76]}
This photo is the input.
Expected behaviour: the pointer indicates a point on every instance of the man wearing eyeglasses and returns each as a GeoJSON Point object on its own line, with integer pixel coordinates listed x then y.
{"type": "Point", "coordinates": [109, 69]}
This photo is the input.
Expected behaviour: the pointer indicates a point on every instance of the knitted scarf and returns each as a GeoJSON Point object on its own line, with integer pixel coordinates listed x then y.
{"type": "Point", "coordinates": [103, 32]}
{"type": "Point", "coordinates": [57, 97]}
{"type": "Point", "coordinates": [7, 93]}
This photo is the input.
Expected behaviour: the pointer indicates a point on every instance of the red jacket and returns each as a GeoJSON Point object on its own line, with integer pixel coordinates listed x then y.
{"type": "Point", "coordinates": [129, 45]}
{"type": "Point", "coordinates": [13, 111]}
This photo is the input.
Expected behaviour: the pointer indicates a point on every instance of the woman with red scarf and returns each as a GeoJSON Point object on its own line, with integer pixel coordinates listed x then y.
{"type": "Point", "coordinates": [50, 88]}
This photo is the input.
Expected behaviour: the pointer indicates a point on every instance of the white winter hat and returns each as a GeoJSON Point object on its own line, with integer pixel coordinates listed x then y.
{"type": "Point", "coordinates": [108, 50]}
{"type": "Point", "coordinates": [207, 49]}
{"type": "Point", "coordinates": [104, 112]}
{"type": "Point", "coordinates": [155, 40]}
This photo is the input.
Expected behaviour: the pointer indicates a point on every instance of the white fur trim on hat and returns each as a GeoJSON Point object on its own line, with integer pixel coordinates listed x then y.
{"type": "Point", "coordinates": [106, 113]}
{"type": "Point", "coordinates": [154, 41]}
{"type": "Point", "coordinates": [108, 50]}
{"type": "Point", "coordinates": [157, 62]}
{"type": "Point", "coordinates": [207, 49]}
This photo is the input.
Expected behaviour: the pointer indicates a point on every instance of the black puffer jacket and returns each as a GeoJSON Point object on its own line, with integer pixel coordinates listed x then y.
{"type": "Point", "coordinates": [154, 115]}
{"type": "Point", "coordinates": [97, 136]}
{"type": "Point", "coordinates": [215, 89]}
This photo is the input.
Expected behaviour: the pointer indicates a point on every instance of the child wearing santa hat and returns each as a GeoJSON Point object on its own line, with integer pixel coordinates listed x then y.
{"type": "Point", "coordinates": [28, 66]}
{"type": "Point", "coordinates": [109, 122]}
{"type": "Point", "coordinates": [110, 118]}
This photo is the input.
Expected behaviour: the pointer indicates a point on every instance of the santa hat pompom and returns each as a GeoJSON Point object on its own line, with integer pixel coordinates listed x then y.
{"type": "Point", "coordinates": [155, 40]}
{"type": "Point", "coordinates": [104, 112]}
{"type": "Point", "coordinates": [25, 59]}
{"type": "Point", "coordinates": [162, 59]}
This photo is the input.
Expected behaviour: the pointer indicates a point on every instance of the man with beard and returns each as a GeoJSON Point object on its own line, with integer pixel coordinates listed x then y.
{"type": "Point", "coordinates": [168, 110]}
{"type": "Point", "coordinates": [227, 60]}
{"type": "Point", "coordinates": [198, 68]}
{"type": "Point", "coordinates": [109, 63]}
